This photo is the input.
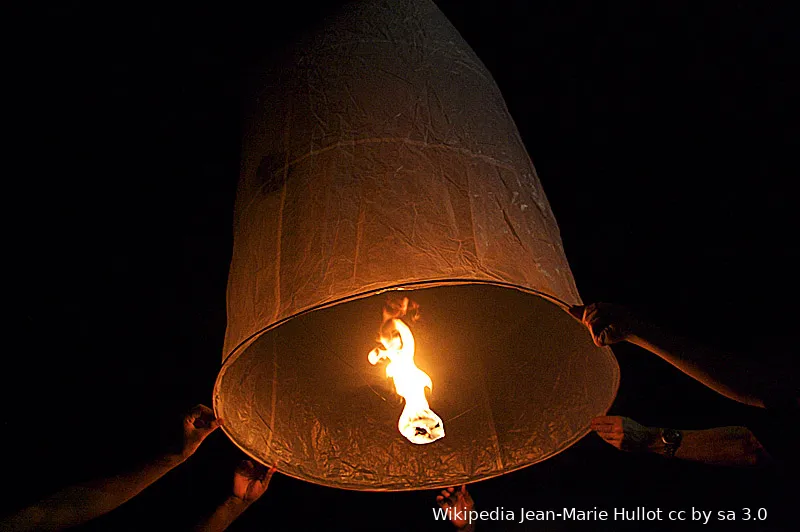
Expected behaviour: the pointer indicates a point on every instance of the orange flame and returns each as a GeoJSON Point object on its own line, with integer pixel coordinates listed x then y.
{"type": "Point", "coordinates": [418, 423]}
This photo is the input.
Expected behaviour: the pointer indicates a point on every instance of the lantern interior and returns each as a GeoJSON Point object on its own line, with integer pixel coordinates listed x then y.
{"type": "Point", "coordinates": [515, 379]}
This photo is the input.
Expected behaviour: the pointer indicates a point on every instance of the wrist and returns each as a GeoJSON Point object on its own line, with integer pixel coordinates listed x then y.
{"type": "Point", "coordinates": [646, 333]}
{"type": "Point", "coordinates": [638, 331]}
{"type": "Point", "coordinates": [173, 459]}
{"type": "Point", "coordinates": [666, 442]}
{"type": "Point", "coordinates": [237, 502]}
{"type": "Point", "coordinates": [652, 440]}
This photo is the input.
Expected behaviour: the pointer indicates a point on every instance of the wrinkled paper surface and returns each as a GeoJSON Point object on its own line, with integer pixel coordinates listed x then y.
{"type": "Point", "coordinates": [380, 154]}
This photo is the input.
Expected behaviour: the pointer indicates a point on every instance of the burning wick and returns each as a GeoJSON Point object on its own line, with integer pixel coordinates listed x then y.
{"type": "Point", "coordinates": [418, 423]}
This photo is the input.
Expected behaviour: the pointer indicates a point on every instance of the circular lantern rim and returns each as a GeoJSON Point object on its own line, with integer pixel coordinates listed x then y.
{"type": "Point", "coordinates": [242, 346]}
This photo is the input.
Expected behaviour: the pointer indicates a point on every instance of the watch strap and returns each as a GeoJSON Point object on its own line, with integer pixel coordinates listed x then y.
{"type": "Point", "coordinates": [671, 438]}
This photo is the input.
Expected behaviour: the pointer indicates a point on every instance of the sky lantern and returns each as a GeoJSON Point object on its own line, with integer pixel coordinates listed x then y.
{"type": "Point", "coordinates": [398, 287]}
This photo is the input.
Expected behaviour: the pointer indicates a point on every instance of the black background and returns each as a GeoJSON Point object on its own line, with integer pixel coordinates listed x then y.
{"type": "Point", "coordinates": [664, 134]}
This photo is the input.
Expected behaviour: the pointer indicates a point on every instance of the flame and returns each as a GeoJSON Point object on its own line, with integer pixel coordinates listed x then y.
{"type": "Point", "coordinates": [418, 423]}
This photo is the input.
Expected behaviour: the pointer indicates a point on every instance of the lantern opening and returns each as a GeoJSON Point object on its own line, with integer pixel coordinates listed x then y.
{"type": "Point", "coordinates": [512, 392]}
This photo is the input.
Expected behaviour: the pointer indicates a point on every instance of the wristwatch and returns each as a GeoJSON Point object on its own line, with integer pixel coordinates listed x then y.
{"type": "Point", "coordinates": [672, 440]}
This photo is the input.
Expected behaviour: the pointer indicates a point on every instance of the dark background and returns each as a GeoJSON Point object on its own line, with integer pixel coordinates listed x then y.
{"type": "Point", "coordinates": [664, 134]}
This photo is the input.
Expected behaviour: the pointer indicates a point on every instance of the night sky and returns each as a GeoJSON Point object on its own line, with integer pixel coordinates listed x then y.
{"type": "Point", "coordinates": [664, 136]}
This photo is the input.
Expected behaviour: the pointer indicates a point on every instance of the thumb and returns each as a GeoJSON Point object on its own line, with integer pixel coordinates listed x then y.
{"type": "Point", "coordinates": [576, 312]}
{"type": "Point", "coordinates": [203, 433]}
{"type": "Point", "coordinates": [269, 474]}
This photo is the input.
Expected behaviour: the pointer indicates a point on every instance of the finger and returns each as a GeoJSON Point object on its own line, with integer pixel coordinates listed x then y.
{"type": "Point", "coordinates": [597, 328]}
{"type": "Point", "coordinates": [203, 432]}
{"type": "Point", "coordinates": [610, 437]}
{"type": "Point", "coordinates": [200, 410]}
{"type": "Point", "coordinates": [245, 468]}
{"type": "Point", "coordinates": [260, 471]}
{"type": "Point", "coordinates": [617, 444]}
{"type": "Point", "coordinates": [604, 338]}
{"type": "Point", "coordinates": [214, 425]}
{"type": "Point", "coordinates": [194, 413]}
{"type": "Point", "coordinates": [609, 335]}
{"type": "Point", "coordinates": [446, 493]}
{"type": "Point", "coordinates": [606, 420]}
{"type": "Point", "coordinates": [467, 497]}
{"type": "Point", "coordinates": [207, 417]}
{"type": "Point", "coordinates": [616, 426]}
{"type": "Point", "coordinates": [591, 313]}
{"type": "Point", "coordinates": [200, 416]}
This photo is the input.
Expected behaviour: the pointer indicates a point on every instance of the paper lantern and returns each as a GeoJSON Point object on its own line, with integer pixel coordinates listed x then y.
{"type": "Point", "coordinates": [381, 157]}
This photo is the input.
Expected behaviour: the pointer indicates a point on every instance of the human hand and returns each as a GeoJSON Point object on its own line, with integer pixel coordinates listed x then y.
{"type": "Point", "coordinates": [198, 423]}
{"type": "Point", "coordinates": [250, 480]}
{"type": "Point", "coordinates": [607, 323]}
{"type": "Point", "coordinates": [459, 502]}
{"type": "Point", "coordinates": [625, 434]}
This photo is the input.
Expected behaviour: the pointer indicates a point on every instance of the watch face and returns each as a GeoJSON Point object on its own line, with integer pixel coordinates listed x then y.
{"type": "Point", "coordinates": [671, 436]}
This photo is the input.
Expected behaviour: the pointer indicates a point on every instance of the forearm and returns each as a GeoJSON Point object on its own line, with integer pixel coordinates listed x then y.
{"type": "Point", "coordinates": [224, 515]}
{"type": "Point", "coordinates": [78, 504]}
{"type": "Point", "coordinates": [723, 446]}
{"type": "Point", "coordinates": [720, 371]}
